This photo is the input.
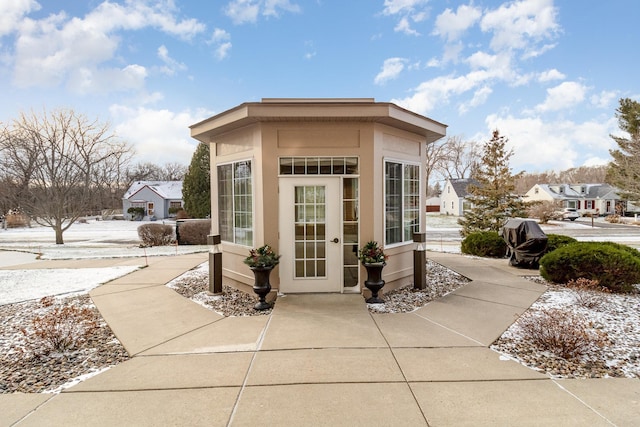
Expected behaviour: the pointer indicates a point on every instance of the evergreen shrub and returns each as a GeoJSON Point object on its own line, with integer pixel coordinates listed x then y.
{"type": "Point", "coordinates": [484, 244]}
{"type": "Point", "coordinates": [616, 267]}
{"type": "Point", "coordinates": [555, 241]}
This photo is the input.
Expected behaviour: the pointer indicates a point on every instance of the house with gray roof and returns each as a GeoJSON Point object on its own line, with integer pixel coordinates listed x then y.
{"type": "Point", "coordinates": [598, 199]}
{"type": "Point", "coordinates": [157, 199]}
{"type": "Point", "coordinates": [454, 197]}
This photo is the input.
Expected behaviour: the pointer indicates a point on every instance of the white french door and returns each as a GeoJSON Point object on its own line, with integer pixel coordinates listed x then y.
{"type": "Point", "coordinates": [310, 234]}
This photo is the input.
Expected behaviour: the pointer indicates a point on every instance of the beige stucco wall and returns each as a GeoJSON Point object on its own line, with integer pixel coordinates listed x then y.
{"type": "Point", "coordinates": [265, 142]}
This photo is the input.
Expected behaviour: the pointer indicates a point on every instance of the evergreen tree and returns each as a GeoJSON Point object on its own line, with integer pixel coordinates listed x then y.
{"type": "Point", "coordinates": [196, 187]}
{"type": "Point", "coordinates": [492, 191]}
{"type": "Point", "coordinates": [623, 171]}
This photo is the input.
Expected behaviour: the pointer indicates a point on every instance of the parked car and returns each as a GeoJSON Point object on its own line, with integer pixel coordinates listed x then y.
{"type": "Point", "coordinates": [566, 213]}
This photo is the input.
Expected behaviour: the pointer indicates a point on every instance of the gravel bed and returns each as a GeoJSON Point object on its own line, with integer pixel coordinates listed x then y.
{"type": "Point", "coordinates": [195, 285]}
{"type": "Point", "coordinates": [615, 318]}
{"type": "Point", "coordinates": [25, 367]}
{"type": "Point", "coordinates": [440, 281]}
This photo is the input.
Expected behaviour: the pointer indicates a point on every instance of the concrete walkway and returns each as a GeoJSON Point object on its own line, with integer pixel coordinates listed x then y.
{"type": "Point", "coordinates": [322, 360]}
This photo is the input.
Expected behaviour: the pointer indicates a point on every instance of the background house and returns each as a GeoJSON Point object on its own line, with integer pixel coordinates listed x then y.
{"type": "Point", "coordinates": [433, 204]}
{"type": "Point", "coordinates": [454, 197]}
{"type": "Point", "coordinates": [155, 197]}
{"type": "Point", "coordinates": [600, 199]}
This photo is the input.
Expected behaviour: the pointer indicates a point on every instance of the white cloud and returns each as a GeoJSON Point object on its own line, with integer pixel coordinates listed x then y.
{"type": "Point", "coordinates": [597, 161]}
{"type": "Point", "coordinates": [248, 11]}
{"type": "Point", "coordinates": [394, 7]}
{"type": "Point", "coordinates": [158, 136]}
{"type": "Point", "coordinates": [604, 98]}
{"type": "Point", "coordinates": [438, 91]}
{"type": "Point", "coordinates": [100, 81]}
{"type": "Point", "coordinates": [243, 11]}
{"type": "Point", "coordinates": [404, 26]}
{"type": "Point", "coordinates": [13, 12]}
{"type": "Point", "coordinates": [485, 71]}
{"type": "Point", "coordinates": [409, 11]}
{"type": "Point", "coordinates": [480, 96]}
{"type": "Point", "coordinates": [222, 41]}
{"type": "Point", "coordinates": [541, 145]}
{"type": "Point", "coordinates": [565, 95]}
{"type": "Point", "coordinates": [549, 75]}
{"type": "Point", "coordinates": [451, 25]}
{"type": "Point", "coordinates": [271, 7]}
{"type": "Point", "coordinates": [515, 25]}
{"type": "Point", "coordinates": [171, 66]}
{"type": "Point", "coordinates": [391, 69]}
{"type": "Point", "coordinates": [52, 50]}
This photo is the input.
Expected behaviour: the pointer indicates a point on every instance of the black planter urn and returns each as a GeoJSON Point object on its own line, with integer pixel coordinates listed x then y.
{"type": "Point", "coordinates": [261, 286]}
{"type": "Point", "coordinates": [374, 281]}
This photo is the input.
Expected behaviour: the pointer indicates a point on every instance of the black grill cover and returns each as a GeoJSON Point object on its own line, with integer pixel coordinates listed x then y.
{"type": "Point", "coordinates": [526, 242]}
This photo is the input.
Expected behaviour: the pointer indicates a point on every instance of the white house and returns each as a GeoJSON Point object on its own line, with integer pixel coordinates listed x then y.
{"type": "Point", "coordinates": [453, 197]}
{"type": "Point", "coordinates": [599, 199]}
{"type": "Point", "coordinates": [155, 197]}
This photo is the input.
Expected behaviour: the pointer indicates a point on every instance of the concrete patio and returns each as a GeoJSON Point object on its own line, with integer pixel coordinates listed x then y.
{"type": "Point", "coordinates": [322, 359]}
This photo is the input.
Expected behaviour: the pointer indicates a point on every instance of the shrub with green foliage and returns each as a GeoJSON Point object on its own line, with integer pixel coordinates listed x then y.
{"type": "Point", "coordinates": [155, 234]}
{"type": "Point", "coordinates": [193, 232]}
{"type": "Point", "coordinates": [136, 212]}
{"type": "Point", "coordinates": [555, 241]}
{"type": "Point", "coordinates": [484, 244]}
{"type": "Point", "coordinates": [614, 266]}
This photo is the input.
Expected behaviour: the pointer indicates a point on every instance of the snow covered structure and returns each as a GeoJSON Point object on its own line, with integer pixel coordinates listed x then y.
{"type": "Point", "coordinates": [157, 199]}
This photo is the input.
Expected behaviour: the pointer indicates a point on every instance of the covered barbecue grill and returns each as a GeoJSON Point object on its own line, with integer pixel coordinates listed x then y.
{"type": "Point", "coordinates": [526, 242]}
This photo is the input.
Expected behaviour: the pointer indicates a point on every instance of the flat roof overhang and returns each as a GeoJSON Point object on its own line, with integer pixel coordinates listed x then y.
{"type": "Point", "coordinates": [319, 110]}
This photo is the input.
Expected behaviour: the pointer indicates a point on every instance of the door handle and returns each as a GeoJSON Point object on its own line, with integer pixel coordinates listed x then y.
{"type": "Point", "coordinates": [336, 240]}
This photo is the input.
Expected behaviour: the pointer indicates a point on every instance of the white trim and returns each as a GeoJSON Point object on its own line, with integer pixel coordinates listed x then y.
{"type": "Point", "coordinates": [253, 199]}
{"type": "Point", "coordinates": [386, 159]}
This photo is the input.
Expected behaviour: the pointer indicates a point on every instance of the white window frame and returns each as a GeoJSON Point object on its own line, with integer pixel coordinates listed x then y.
{"type": "Point", "coordinates": [233, 212]}
{"type": "Point", "coordinates": [402, 163]}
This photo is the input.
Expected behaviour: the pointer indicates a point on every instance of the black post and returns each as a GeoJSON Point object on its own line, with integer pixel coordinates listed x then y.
{"type": "Point", "coordinates": [215, 264]}
{"type": "Point", "coordinates": [419, 261]}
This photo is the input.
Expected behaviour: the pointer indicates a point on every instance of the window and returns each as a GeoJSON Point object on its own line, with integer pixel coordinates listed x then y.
{"type": "Point", "coordinates": [318, 166]}
{"type": "Point", "coordinates": [402, 202]}
{"type": "Point", "coordinates": [175, 205]}
{"type": "Point", "coordinates": [235, 203]}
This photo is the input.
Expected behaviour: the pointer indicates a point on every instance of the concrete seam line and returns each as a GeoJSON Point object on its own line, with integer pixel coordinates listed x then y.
{"type": "Point", "coordinates": [584, 403]}
{"type": "Point", "coordinates": [246, 377]}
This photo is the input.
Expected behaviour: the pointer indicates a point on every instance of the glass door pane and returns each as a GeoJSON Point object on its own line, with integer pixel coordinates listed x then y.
{"type": "Point", "coordinates": [310, 238]}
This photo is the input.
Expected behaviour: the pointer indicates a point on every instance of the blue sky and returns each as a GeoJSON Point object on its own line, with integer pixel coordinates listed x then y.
{"type": "Point", "coordinates": [547, 73]}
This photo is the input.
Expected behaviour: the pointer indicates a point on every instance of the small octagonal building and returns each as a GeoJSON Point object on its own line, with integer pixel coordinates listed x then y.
{"type": "Point", "coordinates": [316, 179]}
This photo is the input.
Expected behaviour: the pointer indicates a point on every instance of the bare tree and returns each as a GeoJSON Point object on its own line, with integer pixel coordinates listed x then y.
{"type": "Point", "coordinates": [462, 158]}
{"type": "Point", "coordinates": [148, 171]}
{"type": "Point", "coordinates": [173, 171]}
{"type": "Point", "coordinates": [437, 153]}
{"type": "Point", "coordinates": [451, 159]}
{"type": "Point", "coordinates": [60, 162]}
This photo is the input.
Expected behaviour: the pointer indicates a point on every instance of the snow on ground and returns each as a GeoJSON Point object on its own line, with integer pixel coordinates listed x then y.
{"type": "Point", "coordinates": [90, 240]}
{"type": "Point", "coordinates": [93, 239]}
{"type": "Point", "coordinates": [24, 285]}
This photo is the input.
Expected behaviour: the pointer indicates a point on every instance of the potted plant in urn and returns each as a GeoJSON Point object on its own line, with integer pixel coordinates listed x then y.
{"type": "Point", "coordinates": [261, 261]}
{"type": "Point", "coordinates": [373, 259]}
